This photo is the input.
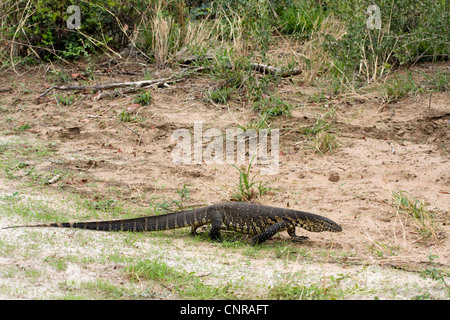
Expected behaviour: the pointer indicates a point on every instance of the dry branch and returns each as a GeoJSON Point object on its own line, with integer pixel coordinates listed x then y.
{"type": "Point", "coordinates": [132, 86]}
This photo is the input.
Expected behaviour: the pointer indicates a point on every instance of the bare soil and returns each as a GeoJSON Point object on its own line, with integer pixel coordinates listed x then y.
{"type": "Point", "coordinates": [382, 147]}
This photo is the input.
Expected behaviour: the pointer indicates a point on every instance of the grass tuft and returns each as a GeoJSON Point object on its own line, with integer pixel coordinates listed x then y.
{"type": "Point", "coordinates": [423, 219]}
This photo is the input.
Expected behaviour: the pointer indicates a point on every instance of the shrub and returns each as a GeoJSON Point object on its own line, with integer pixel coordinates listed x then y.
{"type": "Point", "coordinates": [40, 26]}
{"type": "Point", "coordinates": [302, 18]}
{"type": "Point", "coordinates": [410, 31]}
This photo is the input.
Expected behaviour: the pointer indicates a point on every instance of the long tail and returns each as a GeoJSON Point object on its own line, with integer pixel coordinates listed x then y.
{"type": "Point", "coordinates": [182, 219]}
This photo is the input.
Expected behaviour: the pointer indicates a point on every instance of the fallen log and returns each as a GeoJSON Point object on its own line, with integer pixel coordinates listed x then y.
{"type": "Point", "coordinates": [263, 68]}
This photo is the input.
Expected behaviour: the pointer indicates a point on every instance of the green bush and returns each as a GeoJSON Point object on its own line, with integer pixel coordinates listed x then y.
{"type": "Point", "coordinates": [247, 19]}
{"type": "Point", "coordinates": [302, 18]}
{"type": "Point", "coordinates": [43, 26]}
{"type": "Point", "coordinates": [410, 31]}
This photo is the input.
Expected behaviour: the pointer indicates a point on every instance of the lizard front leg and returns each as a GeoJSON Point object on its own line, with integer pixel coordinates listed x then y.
{"type": "Point", "coordinates": [270, 232]}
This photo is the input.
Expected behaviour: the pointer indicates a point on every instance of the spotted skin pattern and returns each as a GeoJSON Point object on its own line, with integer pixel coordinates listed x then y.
{"type": "Point", "coordinates": [262, 221]}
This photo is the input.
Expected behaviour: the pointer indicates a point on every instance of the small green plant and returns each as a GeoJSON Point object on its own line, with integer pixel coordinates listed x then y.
{"type": "Point", "coordinates": [399, 87]}
{"type": "Point", "coordinates": [144, 98]}
{"type": "Point", "coordinates": [183, 192]}
{"type": "Point", "coordinates": [435, 273]}
{"type": "Point", "coordinates": [318, 97]}
{"type": "Point", "coordinates": [185, 284]}
{"type": "Point", "coordinates": [14, 197]}
{"type": "Point", "coordinates": [424, 220]}
{"type": "Point", "coordinates": [58, 76]}
{"type": "Point", "coordinates": [319, 134]}
{"type": "Point", "coordinates": [165, 206]}
{"type": "Point", "coordinates": [290, 289]}
{"type": "Point", "coordinates": [381, 249]}
{"type": "Point", "coordinates": [248, 188]}
{"type": "Point", "coordinates": [161, 207]}
{"type": "Point", "coordinates": [439, 82]}
{"type": "Point", "coordinates": [324, 142]}
{"type": "Point", "coordinates": [124, 116]}
{"type": "Point", "coordinates": [273, 106]}
{"type": "Point", "coordinates": [65, 100]}
{"type": "Point", "coordinates": [23, 127]}
{"type": "Point", "coordinates": [321, 125]}
{"type": "Point", "coordinates": [89, 71]}
{"type": "Point", "coordinates": [221, 95]}
{"type": "Point", "coordinates": [261, 123]}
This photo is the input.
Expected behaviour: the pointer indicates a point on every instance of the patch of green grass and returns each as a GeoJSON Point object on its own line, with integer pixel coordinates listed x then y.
{"type": "Point", "coordinates": [187, 285]}
{"type": "Point", "coordinates": [166, 206]}
{"type": "Point", "coordinates": [260, 123]}
{"type": "Point", "coordinates": [320, 134]}
{"type": "Point", "coordinates": [107, 289]}
{"type": "Point", "coordinates": [17, 155]}
{"type": "Point", "coordinates": [65, 100]}
{"type": "Point", "coordinates": [381, 249]}
{"type": "Point", "coordinates": [400, 86]}
{"type": "Point", "coordinates": [435, 273]}
{"type": "Point", "coordinates": [14, 197]}
{"type": "Point", "coordinates": [26, 149]}
{"type": "Point", "coordinates": [101, 289]}
{"type": "Point", "coordinates": [273, 106]}
{"type": "Point", "coordinates": [302, 18]}
{"type": "Point", "coordinates": [291, 289]}
{"type": "Point", "coordinates": [7, 249]}
{"type": "Point", "coordinates": [439, 81]}
{"type": "Point", "coordinates": [325, 142]}
{"type": "Point", "coordinates": [59, 263]}
{"type": "Point", "coordinates": [33, 210]}
{"type": "Point", "coordinates": [321, 125]}
{"type": "Point", "coordinates": [144, 98]}
{"type": "Point", "coordinates": [318, 97]}
{"type": "Point", "coordinates": [23, 127]}
{"type": "Point", "coordinates": [106, 204]}
{"type": "Point", "coordinates": [221, 95]}
{"type": "Point", "coordinates": [58, 76]}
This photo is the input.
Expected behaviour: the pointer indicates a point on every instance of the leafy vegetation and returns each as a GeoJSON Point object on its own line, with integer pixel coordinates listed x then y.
{"type": "Point", "coordinates": [248, 188]}
{"type": "Point", "coordinates": [144, 98]}
{"type": "Point", "coordinates": [234, 32]}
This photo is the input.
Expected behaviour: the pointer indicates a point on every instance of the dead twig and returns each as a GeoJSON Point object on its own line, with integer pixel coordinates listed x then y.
{"type": "Point", "coordinates": [133, 86]}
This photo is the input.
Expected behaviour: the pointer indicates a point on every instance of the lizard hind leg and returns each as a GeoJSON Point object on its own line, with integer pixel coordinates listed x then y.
{"type": "Point", "coordinates": [216, 224]}
{"type": "Point", "coordinates": [294, 236]}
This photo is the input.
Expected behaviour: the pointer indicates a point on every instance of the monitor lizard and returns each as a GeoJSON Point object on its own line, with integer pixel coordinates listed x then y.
{"type": "Point", "coordinates": [248, 218]}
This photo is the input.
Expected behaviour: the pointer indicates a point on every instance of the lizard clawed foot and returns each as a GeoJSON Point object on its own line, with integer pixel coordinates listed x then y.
{"type": "Point", "coordinates": [299, 239]}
